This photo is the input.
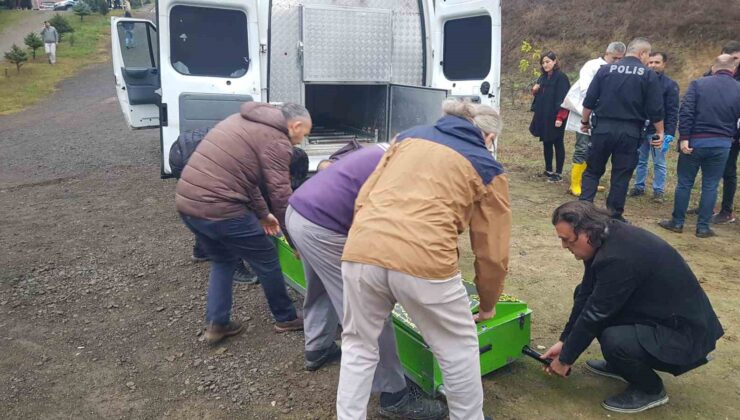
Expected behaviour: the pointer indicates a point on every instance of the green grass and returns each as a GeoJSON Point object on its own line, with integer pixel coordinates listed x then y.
{"type": "Point", "coordinates": [88, 44]}
{"type": "Point", "coordinates": [9, 17]}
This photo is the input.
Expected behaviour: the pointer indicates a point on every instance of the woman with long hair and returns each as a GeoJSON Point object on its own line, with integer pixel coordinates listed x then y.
{"type": "Point", "coordinates": [547, 122]}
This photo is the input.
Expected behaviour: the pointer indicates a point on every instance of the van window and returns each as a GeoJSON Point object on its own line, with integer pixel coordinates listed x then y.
{"type": "Point", "coordinates": [138, 44]}
{"type": "Point", "coordinates": [467, 48]}
{"type": "Point", "coordinates": [208, 42]}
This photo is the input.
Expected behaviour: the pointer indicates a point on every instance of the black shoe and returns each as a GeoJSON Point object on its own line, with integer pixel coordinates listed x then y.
{"type": "Point", "coordinates": [693, 211]}
{"type": "Point", "coordinates": [658, 197]}
{"type": "Point", "coordinates": [668, 224]}
{"type": "Point", "coordinates": [636, 192]}
{"type": "Point", "coordinates": [545, 174]}
{"type": "Point", "coordinates": [601, 367]}
{"type": "Point", "coordinates": [555, 178]}
{"type": "Point", "coordinates": [244, 275]}
{"type": "Point", "coordinates": [705, 233]}
{"type": "Point", "coordinates": [620, 218]}
{"type": "Point", "coordinates": [317, 358]}
{"type": "Point", "coordinates": [632, 400]}
{"type": "Point", "coordinates": [414, 405]}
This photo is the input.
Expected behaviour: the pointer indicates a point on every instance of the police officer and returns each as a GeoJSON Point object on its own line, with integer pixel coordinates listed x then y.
{"type": "Point", "coordinates": [621, 98]}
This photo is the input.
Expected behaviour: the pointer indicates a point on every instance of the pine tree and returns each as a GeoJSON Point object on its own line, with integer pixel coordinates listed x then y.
{"type": "Point", "coordinates": [82, 9]}
{"type": "Point", "coordinates": [16, 56]}
{"type": "Point", "coordinates": [34, 42]}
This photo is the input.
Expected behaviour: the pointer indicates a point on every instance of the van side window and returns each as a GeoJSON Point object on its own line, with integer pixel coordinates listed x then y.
{"type": "Point", "coordinates": [208, 42]}
{"type": "Point", "coordinates": [467, 48]}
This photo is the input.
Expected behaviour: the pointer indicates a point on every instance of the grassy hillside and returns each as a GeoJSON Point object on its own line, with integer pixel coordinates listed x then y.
{"type": "Point", "coordinates": [690, 31]}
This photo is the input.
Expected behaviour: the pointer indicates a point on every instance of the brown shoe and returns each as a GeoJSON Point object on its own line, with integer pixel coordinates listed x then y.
{"type": "Point", "coordinates": [215, 332]}
{"type": "Point", "coordinates": [294, 325]}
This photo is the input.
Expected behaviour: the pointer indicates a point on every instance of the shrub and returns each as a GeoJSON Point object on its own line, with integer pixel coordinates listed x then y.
{"type": "Point", "coordinates": [62, 25]}
{"type": "Point", "coordinates": [16, 56]}
{"type": "Point", "coordinates": [34, 42]}
{"type": "Point", "coordinates": [82, 9]}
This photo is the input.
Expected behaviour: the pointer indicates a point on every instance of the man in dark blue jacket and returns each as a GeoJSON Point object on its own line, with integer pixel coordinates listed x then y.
{"type": "Point", "coordinates": [622, 96]}
{"type": "Point", "coordinates": [657, 63]}
{"type": "Point", "coordinates": [640, 299]}
{"type": "Point", "coordinates": [709, 115]}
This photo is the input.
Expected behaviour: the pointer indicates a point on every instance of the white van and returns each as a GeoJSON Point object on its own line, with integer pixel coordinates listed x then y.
{"type": "Point", "coordinates": [365, 69]}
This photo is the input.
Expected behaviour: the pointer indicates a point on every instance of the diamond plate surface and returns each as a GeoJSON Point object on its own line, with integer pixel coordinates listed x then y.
{"type": "Point", "coordinates": [285, 71]}
{"type": "Point", "coordinates": [343, 44]}
{"type": "Point", "coordinates": [408, 58]}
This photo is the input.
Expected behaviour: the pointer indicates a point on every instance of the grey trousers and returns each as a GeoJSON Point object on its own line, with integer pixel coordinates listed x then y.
{"type": "Point", "coordinates": [321, 255]}
{"type": "Point", "coordinates": [580, 152]}
{"type": "Point", "coordinates": [441, 310]}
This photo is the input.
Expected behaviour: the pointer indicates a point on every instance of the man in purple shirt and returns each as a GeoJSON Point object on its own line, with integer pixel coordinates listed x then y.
{"type": "Point", "coordinates": [318, 219]}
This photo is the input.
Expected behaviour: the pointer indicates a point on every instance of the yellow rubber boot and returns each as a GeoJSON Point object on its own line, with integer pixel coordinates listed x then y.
{"type": "Point", "coordinates": [576, 173]}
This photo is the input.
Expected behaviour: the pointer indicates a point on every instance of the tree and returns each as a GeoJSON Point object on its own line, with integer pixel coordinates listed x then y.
{"type": "Point", "coordinates": [34, 42]}
{"type": "Point", "coordinates": [62, 25]}
{"type": "Point", "coordinates": [102, 7]}
{"type": "Point", "coordinates": [16, 56]}
{"type": "Point", "coordinates": [82, 9]}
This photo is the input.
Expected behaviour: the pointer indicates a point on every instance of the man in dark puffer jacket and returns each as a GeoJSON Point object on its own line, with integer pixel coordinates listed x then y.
{"type": "Point", "coordinates": [219, 199]}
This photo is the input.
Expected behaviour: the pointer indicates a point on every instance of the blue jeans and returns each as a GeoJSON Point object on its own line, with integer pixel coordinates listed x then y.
{"type": "Point", "coordinates": [128, 38]}
{"type": "Point", "coordinates": [659, 168]}
{"type": "Point", "coordinates": [228, 241]}
{"type": "Point", "coordinates": [711, 161]}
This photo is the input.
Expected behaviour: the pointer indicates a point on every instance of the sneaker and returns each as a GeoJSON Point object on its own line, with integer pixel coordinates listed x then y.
{"type": "Point", "coordinates": [632, 400]}
{"type": "Point", "coordinates": [658, 197]}
{"type": "Point", "coordinates": [693, 211]}
{"type": "Point", "coordinates": [318, 358]}
{"type": "Point", "coordinates": [668, 224]}
{"type": "Point", "coordinates": [199, 256]}
{"type": "Point", "coordinates": [636, 192]}
{"type": "Point", "coordinates": [601, 367]}
{"type": "Point", "coordinates": [414, 405]}
{"type": "Point", "coordinates": [244, 275]}
{"type": "Point", "coordinates": [705, 233]}
{"type": "Point", "coordinates": [545, 174]}
{"type": "Point", "coordinates": [556, 177]}
{"type": "Point", "coordinates": [722, 217]}
{"type": "Point", "coordinates": [294, 325]}
{"type": "Point", "coordinates": [215, 332]}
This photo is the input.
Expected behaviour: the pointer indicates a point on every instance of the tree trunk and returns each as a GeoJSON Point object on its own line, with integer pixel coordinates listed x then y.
{"type": "Point", "coordinates": [18, 67]}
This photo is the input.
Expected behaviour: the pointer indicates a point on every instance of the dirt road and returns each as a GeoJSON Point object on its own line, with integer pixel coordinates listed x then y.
{"type": "Point", "coordinates": [100, 308]}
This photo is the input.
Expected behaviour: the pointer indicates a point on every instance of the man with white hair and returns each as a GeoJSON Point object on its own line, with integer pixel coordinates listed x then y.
{"type": "Point", "coordinates": [574, 103]}
{"type": "Point", "coordinates": [621, 97]}
{"type": "Point", "coordinates": [433, 184]}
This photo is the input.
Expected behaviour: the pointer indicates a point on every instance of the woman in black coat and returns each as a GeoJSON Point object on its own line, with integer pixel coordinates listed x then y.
{"type": "Point", "coordinates": [547, 122]}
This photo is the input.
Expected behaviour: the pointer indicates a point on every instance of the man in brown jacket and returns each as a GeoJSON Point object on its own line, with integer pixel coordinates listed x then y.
{"type": "Point", "coordinates": [219, 199]}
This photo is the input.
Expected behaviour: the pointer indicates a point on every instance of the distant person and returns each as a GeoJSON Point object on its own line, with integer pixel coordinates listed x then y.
{"type": "Point", "coordinates": [128, 31]}
{"type": "Point", "coordinates": [50, 36]}
{"type": "Point", "coordinates": [639, 299]}
{"type": "Point", "coordinates": [614, 52]}
{"type": "Point", "coordinates": [547, 121]}
{"type": "Point", "coordinates": [219, 199]}
{"type": "Point", "coordinates": [622, 96]}
{"type": "Point", "coordinates": [657, 63]}
{"type": "Point", "coordinates": [708, 120]}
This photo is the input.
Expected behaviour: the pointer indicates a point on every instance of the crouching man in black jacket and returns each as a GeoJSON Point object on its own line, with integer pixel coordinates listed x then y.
{"type": "Point", "coordinates": [639, 298]}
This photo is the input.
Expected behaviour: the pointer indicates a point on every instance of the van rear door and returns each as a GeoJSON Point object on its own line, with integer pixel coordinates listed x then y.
{"type": "Point", "coordinates": [466, 39]}
{"type": "Point", "coordinates": [135, 68]}
{"type": "Point", "coordinates": [210, 64]}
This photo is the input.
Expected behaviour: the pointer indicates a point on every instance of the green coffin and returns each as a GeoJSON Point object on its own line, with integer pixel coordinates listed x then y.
{"type": "Point", "coordinates": [500, 339]}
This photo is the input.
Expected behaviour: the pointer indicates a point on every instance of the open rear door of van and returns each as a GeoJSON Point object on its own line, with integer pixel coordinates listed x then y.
{"type": "Point", "coordinates": [466, 39]}
{"type": "Point", "coordinates": [136, 70]}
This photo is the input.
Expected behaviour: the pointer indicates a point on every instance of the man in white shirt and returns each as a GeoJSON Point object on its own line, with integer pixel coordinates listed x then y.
{"type": "Point", "coordinates": [574, 103]}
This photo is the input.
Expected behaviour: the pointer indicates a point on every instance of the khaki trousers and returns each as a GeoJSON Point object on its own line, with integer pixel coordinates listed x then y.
{"type": "Point", "coordinates": [441, 311]}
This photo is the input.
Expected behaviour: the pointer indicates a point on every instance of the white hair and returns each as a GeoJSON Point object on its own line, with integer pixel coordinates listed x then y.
{"type": "Point", "coordinates": [616, 48]}
{"type": "Point", "coordinates": [482, 116]}
{"type": "Point", "coordinates": [638, 45]}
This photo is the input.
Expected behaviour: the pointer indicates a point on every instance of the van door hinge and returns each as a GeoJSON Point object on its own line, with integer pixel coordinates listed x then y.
{"type": "Point", "coordinates": [263, 48]}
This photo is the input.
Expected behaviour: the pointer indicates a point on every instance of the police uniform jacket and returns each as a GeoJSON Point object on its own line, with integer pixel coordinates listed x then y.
{"type": "Point", "coordinates": [625, 91]}
{"type": "Point", "coordinates": [636, 278]}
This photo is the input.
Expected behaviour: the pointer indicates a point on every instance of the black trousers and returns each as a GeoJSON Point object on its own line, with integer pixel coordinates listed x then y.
{"type": "Point", "coordinates": [619, 143]}
{"type": "Point", "coordinates": [625, 355]}
{"type": "Point", "coordinates": [729, 179]}
{"type": "Point", "coordinates": [559, 147]}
